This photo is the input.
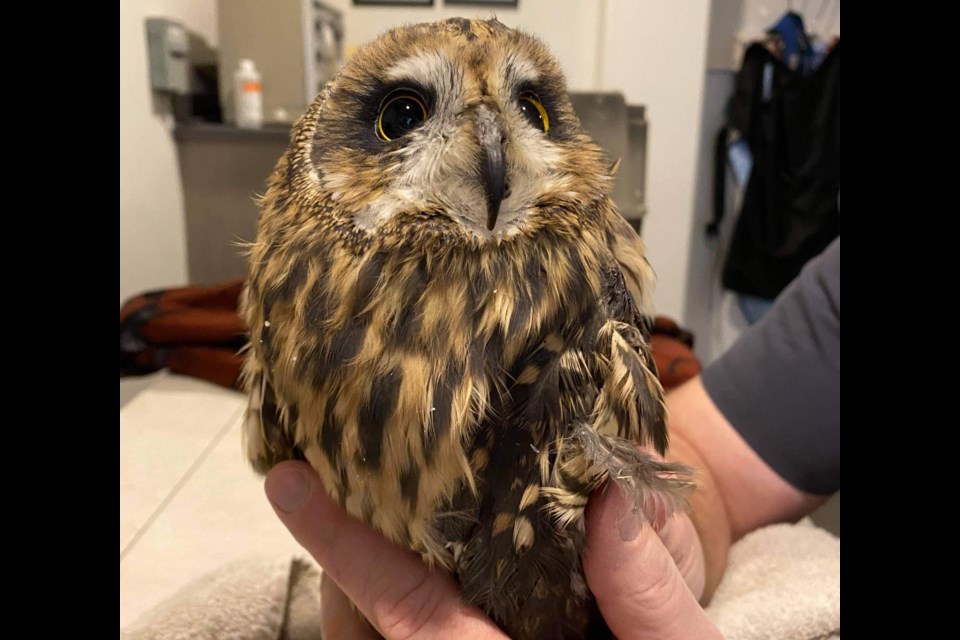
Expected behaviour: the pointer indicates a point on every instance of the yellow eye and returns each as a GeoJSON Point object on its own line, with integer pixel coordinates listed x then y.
{"type": "Point", "coordinates": [402, 112]}
{"type": "Point", "coordinates": [533, 110]}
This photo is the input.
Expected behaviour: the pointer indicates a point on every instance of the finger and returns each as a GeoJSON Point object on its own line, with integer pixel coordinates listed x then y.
{"type": "Point", "coordinates": [638, 587]}
{"type": "Point", "coordinates": [678, 535]}
{"type": "Point", "coordinates": [390, 585]}
{"type": "Point", "coordinates": [337, 618]}
{"type": "Point", "coordinates": [682, 541]}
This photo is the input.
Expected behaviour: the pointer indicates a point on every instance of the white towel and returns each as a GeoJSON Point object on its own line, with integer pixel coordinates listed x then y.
{"type": "Point", "coordinates": [252, 599]}
{"type": "Point", "coordinates": [782, 582]}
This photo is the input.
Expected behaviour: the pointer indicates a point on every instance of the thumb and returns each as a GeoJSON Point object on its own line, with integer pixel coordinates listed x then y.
{"type": "Point", "coordinates": [396, 592]}
{"type": "Point", "coordinates": [639, 589]}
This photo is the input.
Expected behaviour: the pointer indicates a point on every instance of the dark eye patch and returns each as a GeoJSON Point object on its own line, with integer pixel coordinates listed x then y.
{"type": "Point", "coordinates": [352, 125]}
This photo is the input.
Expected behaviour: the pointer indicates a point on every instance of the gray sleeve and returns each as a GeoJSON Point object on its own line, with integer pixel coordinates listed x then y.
{"type": "Point", "coordinates": [779, 384]}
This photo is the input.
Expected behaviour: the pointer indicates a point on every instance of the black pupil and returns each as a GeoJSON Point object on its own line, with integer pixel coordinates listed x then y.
{"type": "Point", "coordinates": [401, 116]}
{"type": "Point", "coordinates": [531, 113]}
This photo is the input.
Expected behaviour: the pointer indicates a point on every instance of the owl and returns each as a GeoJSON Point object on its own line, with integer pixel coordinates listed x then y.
{"type": "Point", "coordinates": [449, 319]}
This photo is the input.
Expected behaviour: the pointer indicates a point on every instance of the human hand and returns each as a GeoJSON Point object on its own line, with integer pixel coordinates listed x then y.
{"type": "Point", "coordinates": [646, 578]}
{"type": "Point", "coordinates": [396, 592]}
{"type": "Point", "coordinates": [646, 584]}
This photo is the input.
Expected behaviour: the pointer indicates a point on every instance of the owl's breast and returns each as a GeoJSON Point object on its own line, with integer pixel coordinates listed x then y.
{"type": "Point", "coordinates": [393, 358]}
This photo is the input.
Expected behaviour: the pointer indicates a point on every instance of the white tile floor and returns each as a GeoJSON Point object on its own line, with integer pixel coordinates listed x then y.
{"type": "Point", "coordinates": [189, 503]}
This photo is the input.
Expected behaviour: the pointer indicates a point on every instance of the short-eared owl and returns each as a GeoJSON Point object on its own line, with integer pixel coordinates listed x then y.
{"type": "Point", "coordinates": [449, 318]}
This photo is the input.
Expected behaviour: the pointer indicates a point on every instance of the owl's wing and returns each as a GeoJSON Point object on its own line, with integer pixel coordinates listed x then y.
{"type": "Point", "coordinates": [628, 250]}
{"type": "Point", "coordinates": [570, 421]}
{"type": "Point", "coordinates": [631, 394]}
{"type": "Point", "coordinates": [628, 409]}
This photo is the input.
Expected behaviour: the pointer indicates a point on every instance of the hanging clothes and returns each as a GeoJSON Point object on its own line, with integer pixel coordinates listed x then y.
{"type": "Point", "coordinates": [793, 43]}
{"type": "Point", "coordinates": [790, 120]}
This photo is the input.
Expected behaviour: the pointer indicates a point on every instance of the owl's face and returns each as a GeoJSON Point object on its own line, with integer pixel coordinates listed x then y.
{"type": "Point", "coordinates": [459, 129]}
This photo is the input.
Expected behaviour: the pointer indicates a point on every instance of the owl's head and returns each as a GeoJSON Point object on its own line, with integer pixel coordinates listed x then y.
{"type": "Point", "coordinates": [460, 130]}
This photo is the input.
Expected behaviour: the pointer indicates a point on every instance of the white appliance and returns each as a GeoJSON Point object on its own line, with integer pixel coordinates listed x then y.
{"type": "Point", "coordinates": [297, 45]}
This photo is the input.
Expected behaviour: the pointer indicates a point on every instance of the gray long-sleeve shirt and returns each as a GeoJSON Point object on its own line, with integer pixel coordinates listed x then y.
{"type": "Point", "coordinates": [779, 384]}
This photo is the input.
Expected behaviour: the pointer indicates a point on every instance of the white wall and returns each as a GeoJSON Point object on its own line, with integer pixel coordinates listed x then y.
{"type": "Point", "coordinates": [710, 312]}
{"type": "Point", "coordinates": [152, 233]}
{"type": "Point", "coordinates": [655, 53]}
{"type": "Point", "coordinates": [569, 27]}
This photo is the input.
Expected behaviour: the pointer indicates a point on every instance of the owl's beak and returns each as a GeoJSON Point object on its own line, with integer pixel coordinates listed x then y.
{"type": "Point", "coordinates": [494, 172]}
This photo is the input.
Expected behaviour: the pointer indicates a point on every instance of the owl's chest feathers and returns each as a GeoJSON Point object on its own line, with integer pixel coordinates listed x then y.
{"type": "Point", "coordinates": [396, 359]}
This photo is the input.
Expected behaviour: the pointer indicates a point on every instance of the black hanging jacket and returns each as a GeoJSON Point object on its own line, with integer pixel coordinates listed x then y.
{"type": "Point", "coordinates": [790, 209]}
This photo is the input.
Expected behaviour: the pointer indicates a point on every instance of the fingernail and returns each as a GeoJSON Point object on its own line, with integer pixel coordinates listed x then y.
{"type": "Point", "coordinates": [629, 524]}
{"type": "Point", "coordinates": [656, 511]}
{"type": "Point", "coordinates": [629, 519]}
{"type": "Point", "coordinates": [288, 489]}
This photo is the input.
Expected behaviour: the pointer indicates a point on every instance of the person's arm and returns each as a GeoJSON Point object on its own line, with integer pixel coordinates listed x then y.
{"type": "Point", "coordinates": [648, 583]}
{"type": "Point", "coordinates": [762, 424]}
{"type": "Point", "coordinates": [737, 491]}
{"type": "Point", "coordinates": [763, 421]}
